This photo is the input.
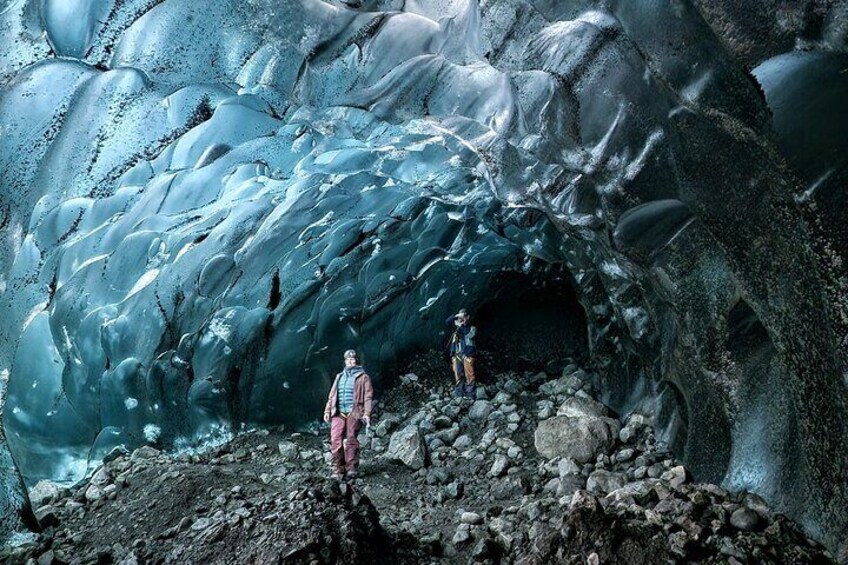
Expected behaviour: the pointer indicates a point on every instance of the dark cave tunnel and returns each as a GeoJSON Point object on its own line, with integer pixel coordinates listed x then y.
{"type": "Point", "coordinates": [526, 322]}
{"type": "Point", "coordinates": [531, 323]}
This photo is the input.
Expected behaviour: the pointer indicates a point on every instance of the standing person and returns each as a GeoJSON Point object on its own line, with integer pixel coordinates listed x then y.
{"type": "Point", "coordinates": [348, 405]}
{"type": "Point", "coordinates": [462, 354]}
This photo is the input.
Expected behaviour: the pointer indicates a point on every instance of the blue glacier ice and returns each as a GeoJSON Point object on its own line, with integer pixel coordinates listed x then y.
{"type": "Point", "coordinates": [203, 204]}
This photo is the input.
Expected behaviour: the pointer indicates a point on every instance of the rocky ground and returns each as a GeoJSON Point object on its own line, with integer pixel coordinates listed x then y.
{"type": "Point", "coordinates": [533, 471]}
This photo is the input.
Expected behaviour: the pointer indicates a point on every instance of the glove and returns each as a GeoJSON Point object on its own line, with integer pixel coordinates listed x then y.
{"type": "Point", "coordinates": [326, 417]}
{"type": "Point", "coordinates": [367, 420]}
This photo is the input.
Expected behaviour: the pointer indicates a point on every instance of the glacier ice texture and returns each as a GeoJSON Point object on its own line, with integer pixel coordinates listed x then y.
{"type": "Point", "coordinates": [203, 204]}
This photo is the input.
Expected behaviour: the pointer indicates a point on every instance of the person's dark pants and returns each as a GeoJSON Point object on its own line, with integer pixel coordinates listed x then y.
{"type": "Point", "coordinates": [466, 381]}
{"type": "Point", "coordinates": [344, 447]}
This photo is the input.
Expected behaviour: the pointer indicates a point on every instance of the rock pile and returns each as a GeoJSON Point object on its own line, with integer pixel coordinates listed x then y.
{"type": "Point", "coordinates": [175, 514]}
{"type": "Point", "coordinates": [534, 470]}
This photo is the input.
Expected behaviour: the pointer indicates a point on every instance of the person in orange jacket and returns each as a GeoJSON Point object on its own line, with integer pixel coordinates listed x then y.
{"type": "Point", "coordinates": [463, 353]}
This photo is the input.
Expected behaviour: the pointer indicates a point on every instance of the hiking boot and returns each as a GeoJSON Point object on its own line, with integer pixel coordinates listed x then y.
{"type": "Point", "coordinates": [337, 474]}
{"type": "Point", "coordinates": [459, 390]}
{"type": "Point", "coordinates": [352, 475]}
{"type": "Point", "coordinates": [470, 392]}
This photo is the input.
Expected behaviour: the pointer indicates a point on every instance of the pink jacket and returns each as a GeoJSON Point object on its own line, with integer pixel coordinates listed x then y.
{"type": "Point", "coordinates": [363, 392]}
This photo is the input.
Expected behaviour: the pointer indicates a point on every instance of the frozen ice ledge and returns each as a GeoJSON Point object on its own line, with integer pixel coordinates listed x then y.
{"type": "Point", "coordinates": [202, 204]}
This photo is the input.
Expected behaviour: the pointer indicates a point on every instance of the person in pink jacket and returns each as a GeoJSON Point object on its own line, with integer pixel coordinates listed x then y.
{"type": "Point", "coordinates": [348, 405]}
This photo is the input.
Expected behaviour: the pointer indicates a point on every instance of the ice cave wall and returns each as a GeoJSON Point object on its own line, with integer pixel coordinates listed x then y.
{"type": "Point", "coordinates": [202, 204]}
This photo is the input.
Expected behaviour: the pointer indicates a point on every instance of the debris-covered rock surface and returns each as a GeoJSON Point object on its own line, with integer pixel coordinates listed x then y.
{"type": "Point", "coordinates": [535, 470]}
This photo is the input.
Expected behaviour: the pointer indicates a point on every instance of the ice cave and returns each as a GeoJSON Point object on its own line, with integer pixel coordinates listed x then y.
{"type": "Point", "coordinates": [202, 204]}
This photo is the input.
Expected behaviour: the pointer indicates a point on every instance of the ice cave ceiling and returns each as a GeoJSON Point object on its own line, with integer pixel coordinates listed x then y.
{"type": "Point", "coordinates": [203, 203]}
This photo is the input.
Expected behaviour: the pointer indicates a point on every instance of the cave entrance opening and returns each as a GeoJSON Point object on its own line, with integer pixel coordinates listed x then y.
{"type": "Point", "coordinates": [531, 322]}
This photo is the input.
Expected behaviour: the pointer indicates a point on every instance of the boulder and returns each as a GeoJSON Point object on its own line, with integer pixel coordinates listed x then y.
{"type": "Point", "coordinates": [513, 386]}
{"type": "Point", "coordinates": [289, 450]}
{"type": "Point", "coordinates": [558, 386]}
{"type": "Point", "coordinates": [745, 519]}
{"type": "Point", "coordinates": [499, 466]}
{"type": "Point", "coordinates": [471, 518]}
{"type": "Point", "coordinates": [451, 411]}
{"type": "Point", "coordinates": [408, 447]}
{"type": "Point", "coordinates": [462, 442]}
{"type": "Point", "coordinates": [675, 476]}
{"type": "Point", "coordinates": [509, 487]}
{"type": "Point", "coordinates": [578, 438]}
{"type": "Point", "coordinates": [602, 482]}
{"type": "Point", "coordinates": [577, 407]}
{"type": "Point", "coordinates": [438, 476]}
{"type": "Point", "coordinates": [144, 452]}
{"type": "Point", "coordinates": [101, 477]}
{"type": "Point", "coordinates": [625, 455]}
{"type": "Point", "coordinates": [442, 422]}
{"type": "Point", "coordinates": [483, 550]}
{"type": "Point", "coordinates": [47, 516]}
{"type": "Point", "coordinates": [454, 490]}
{"type": "Point", "coordinates": [567, 466]}
{"type": "Point", "coordinates": [626, 434]}
{"type": "Point", "coordinates": [43, 492]}
{"type": "Point", "coordinates": [637, 491]}
{"type": "Point", "coordinates": [449, 435]}
{"type": "Point", "coordinates": [756, 503]}
{"type": "Point", "coordinates": [409, 379]}
{"type": "Point", "coordinates": [462, 535]}
{"type": "Point", "coordinates": [480, 410]}
{"type": "Point", "coordinates": [584, 500]}
{"type": "Point", "coordinates": [569, 484]}
{"type": "Point", "coordinates": [552, 485]}
{"type": "Point", "coordinates": [93, 493]}
{"type": "Point", "coordinates": [386, 424]}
